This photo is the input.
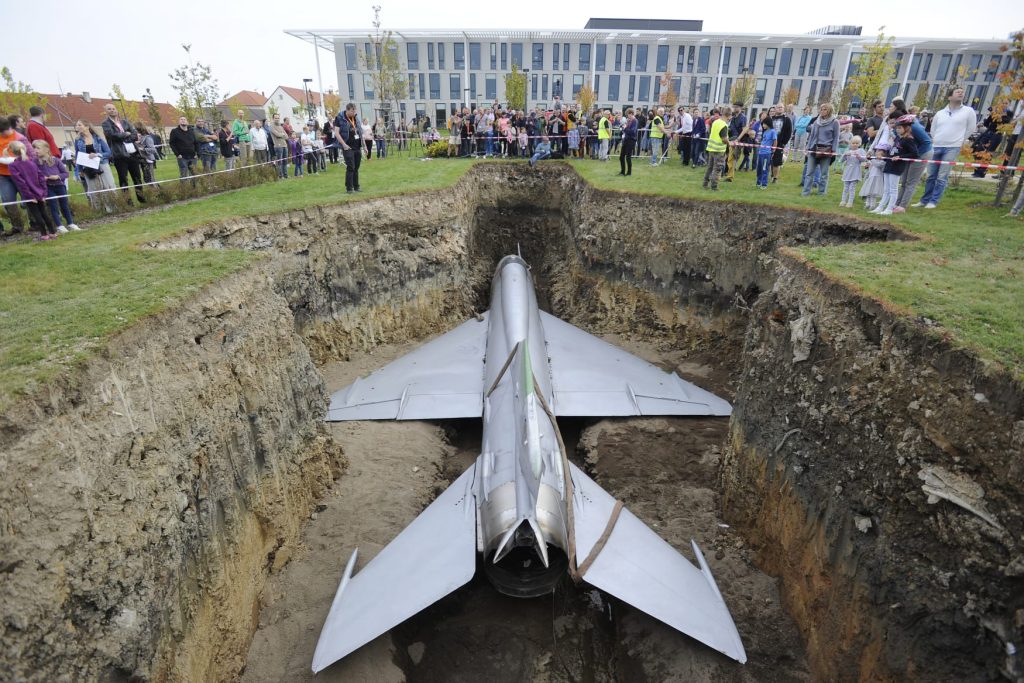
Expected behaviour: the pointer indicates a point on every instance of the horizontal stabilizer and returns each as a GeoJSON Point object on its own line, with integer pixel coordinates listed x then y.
{"type": "Point", "coordinates": [442, 379]}
{"type": "Point", "coordinates": [432, 556]}
{"type": "Point", "coordinates": [640, 568]}
{"type": "Point", "coordinates": [591, 377]}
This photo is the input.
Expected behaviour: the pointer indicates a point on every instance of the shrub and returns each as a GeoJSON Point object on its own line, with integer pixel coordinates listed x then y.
{"type": "Point", "coordinates": [436, 149]}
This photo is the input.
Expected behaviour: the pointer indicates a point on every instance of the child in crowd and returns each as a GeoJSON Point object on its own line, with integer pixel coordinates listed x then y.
{"type": "Point", "coordinates": [308, 152]}
{"type": "Point", "coordinates": [56, 186]}
{"type": "Point", "coordinates": [871, 190]}
{"type": "Point", "coordinates": [295, 152]}
{"type": "Point", "coordinates": [853, 160]}
{"type": "Point", "coordinates": [904, 147]}
{"type": "Point", "coordinates": [769, 137]}
{"type": "Point", "coordinates": [31, 183]}
{"type": "Point", "coordinates": [845, 136]}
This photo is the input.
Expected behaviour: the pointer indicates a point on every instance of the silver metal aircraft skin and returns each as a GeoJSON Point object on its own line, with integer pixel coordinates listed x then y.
{"type": "Point", "coordinates": [514, 495]}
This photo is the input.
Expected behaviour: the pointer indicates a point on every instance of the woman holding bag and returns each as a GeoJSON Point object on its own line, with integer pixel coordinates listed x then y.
{"type": "Point", "coordinates": [822, 146]}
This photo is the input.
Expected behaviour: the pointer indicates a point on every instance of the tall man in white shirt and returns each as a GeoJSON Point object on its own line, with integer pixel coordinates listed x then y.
{"type": "Point", "coordinates": [685, 133]}
{"type": "Point", "coordinates": [950, 127]}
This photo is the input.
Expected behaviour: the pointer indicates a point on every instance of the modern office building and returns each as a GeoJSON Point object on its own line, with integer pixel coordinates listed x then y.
{"type": "Point", "coordinates": [625, 61]}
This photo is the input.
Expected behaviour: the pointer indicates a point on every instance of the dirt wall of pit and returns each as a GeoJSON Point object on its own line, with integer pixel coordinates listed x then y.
{"type": "Point", "coordinates": [878, 403]}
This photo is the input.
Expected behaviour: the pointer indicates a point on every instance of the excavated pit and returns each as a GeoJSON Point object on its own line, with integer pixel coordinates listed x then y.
{"type": "Point", "coordinates": [200, 532]}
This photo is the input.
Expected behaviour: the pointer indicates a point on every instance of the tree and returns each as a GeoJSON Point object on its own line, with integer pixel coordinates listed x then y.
{"type": "Point", "coordinates": [872, 70]}
{"type": "Point", "coordinates": [384, 66]}
{"type": "Point", "coordinates": [152, 109]}
{"type": "Point", "coordinates": [196, 86]}
{"type": "Point", "coordinates": [668, 95]}
{"type": "Point", "coordinates": [16, 97]}
{"type": "Point", "coordinates": [921, 96]}
{"type": "Point", "coordinates": [332, 103]}
{"type": "Point", "coordinates": [515, 88]}
{"type": "Point", "coordinates": [1011, 91]}
{"type": "Point", "coordinates": [586, 97]}
{"type": "Point", "coordinates": [842, 99]}
{"type": "Point", "coordinates": [791, 96]}
{"type": "Point", "coordinates": [129, 108]}
{"type": "Point", "coordinates": [271, 110]}
{"type": "Point", "coordinates": [743, 89]}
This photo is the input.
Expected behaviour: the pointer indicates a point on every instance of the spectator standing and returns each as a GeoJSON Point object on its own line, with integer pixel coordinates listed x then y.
{"type": "Point", "coordinates": [769, 140]}
{"type": "Point", "coordinates": [951, 126]}
{"type": "Point", "coordinates": [185, 147]}
{"type": "Point", "coordinates": [331, 145]}
{"type": "Point", "coordinates": [259, 140]}
{"type": "Point", "coordinates": [37, 130]}
{"type": "Point", "coordinates": [349, 134]}
{"type": "Point", "coordinates": [629, 134]}
{"type": "Point", "coordinates": [8, 190]}
{"type": "Point", "coordinates": [368, 137]}
{"type": "Point", "coordinates": [379, 134]}
{"type": "Point", "coordinates": [240, 129]}
{"type": "Point", "coordinates": [208, 148]}
{"type": "Point", "coordinates": [279, 142]}
{"type": "Point", "coordinates": [717, 147]}
{"type": "Point", "coordinates": [67, 155]}
{"type": "Point", "coordinates": [56, 187]}
{"type": "Point", "coordinates": [874, 123]}
{"type": "Point", "coordinates": [122, 137]}
{"type": "Point", "coordinates": [685, 135]}
{"type": "Point", "coordinates": [98, 181]}
{"type": "Point", "coordinates": [903, 148]}
{"type": "Point", "coordinates": [147, 152]}
{"type": "Point", "coordinates": [226, 142]}
{"type": "Point", "coordinates": [700, 134]}
{"type": "Point", "coordinates": [783, 126]}
{"type": "Point", "coordinates": [31, 183]}
{"type": "Point", "coordinates": [822, 145]}
{"type": "Point", "coordinates": [736, 125]}
{"type": "Point", "coordinates": [657, 134]}
{"type": "Point", "coordinates": [913, 172]}
{"type": "Point", "coordinates": [800, 130]}
{"type": "Point", "coordinates": [604, 134]}
{"type": "Point", "coordinates": [308, 139]}
{"type": "Point", "coordinates": [853, 163]}
{"type": "Point", "coordinates": [295, 153]}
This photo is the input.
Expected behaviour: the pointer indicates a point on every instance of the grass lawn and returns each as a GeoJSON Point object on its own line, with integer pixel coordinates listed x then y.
{"type": "Point", "coordinates": [967, 273]}
{"type": "Point", "coordinates": [60, 300]}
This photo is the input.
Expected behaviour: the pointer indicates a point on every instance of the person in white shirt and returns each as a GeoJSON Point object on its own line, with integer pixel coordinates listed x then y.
{"type": "Point", "coordinates": [685, 133]}
{"type": "Point", "coordinates": [950, 128]}
{"type": "Point", "coordinates": [258, 137]}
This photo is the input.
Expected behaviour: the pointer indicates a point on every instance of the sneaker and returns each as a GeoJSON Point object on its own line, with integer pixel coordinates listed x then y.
{"type": "Point", "coordinates": [917, 205]}
{"type": "Point", "coordinates": [62, 230]}
{"type": "Point", "coordinates": [899, 209]}
{"type": "Point", "coordinates": [74, 228]}
{"type": "Point", "coordinates": [929, 205]}
{"type": "Point", "coordinates": [887, 212]}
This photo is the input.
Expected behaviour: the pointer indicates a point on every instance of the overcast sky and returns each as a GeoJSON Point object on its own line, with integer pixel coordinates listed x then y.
{"type": "Point", "coordinates": [136, 44]}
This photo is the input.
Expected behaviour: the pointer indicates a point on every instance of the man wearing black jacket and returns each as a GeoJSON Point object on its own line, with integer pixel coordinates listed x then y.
{"type": "Point", "coordinates": [784, 129]}
{"type": "Point", "coordinates": [348, 131]}
{"type": "Point", "coordinates": [122, 138]}
{"type": "Point", "coordinates": [185, 147]}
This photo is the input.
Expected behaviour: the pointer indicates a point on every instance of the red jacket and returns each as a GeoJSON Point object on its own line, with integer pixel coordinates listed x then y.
{"type": "Point", "coordinates": [37, 131]}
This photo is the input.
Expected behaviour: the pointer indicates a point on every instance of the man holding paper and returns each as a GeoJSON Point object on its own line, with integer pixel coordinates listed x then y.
{"type": "Point", "coordinates": [122, 137]}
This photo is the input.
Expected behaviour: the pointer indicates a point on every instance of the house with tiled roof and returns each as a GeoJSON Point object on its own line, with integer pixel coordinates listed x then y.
{"type": "Point", "coordinates": [250, 101]}
{"type": "Point", "coordinates": [292, 102]}
{"type": "Point", "coordinates": [63, 110]}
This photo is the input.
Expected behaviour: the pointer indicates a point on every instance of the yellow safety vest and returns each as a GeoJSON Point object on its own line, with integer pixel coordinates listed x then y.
{"type": "Point", "coordinates": [603, 131]}
{"type": "Point", "coordinates": [655, 131]}
{"type": "Point", "coordinates": [715, 143]}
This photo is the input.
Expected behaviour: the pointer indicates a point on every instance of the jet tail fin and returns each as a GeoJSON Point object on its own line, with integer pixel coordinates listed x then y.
{"type": "Point", "coordinates": [432, 556]}
{"type": "Point", "coordinates": [637, 566]}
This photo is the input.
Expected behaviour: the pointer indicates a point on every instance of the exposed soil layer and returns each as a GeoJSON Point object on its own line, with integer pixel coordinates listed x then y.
{"type": "Point", "coordinates": [871, 466]}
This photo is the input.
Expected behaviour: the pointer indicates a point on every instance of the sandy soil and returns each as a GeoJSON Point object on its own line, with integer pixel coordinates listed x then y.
{"type": "Point", "coordinates": [665, 470]}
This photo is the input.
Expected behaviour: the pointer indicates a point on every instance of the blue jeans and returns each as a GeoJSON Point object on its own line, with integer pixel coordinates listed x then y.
{"type": "Point", "coordinates": [9, 193]}
{"type": "Point", "coordinates": [938, 174]}
{"type": "Point", "coordinates": [539, 156]}
{"type": "Point", "coordinates": [816, 166]}
{"type": "Point", "coordinates": [489, 143]}
{"type": "Point", "coordinates": [186, 167]}
{"type": "Point", "coordinates": [655, 150]}
{"type": "Point", "coordinates": [764, 164]}
{"type": "Point", "coordinates": [281, 155]}
{"type": "Point", "coordinates": [58, 204]}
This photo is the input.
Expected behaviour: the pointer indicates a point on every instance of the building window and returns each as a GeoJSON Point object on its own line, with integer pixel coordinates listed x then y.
{"type": "Point", "coordinates": [435, 86]}
{"type": "Point", "coordinates": [517, 55]}
{"type": "Point", "coordinates": [826, 63]}
{"type": "Point", "coordinates": [890, 95]}
{"type": "Point", "coordinates": [978, 102]}
{"type": "Point", "coordinates": [703, 58]}
{"type": "Point", "coordinates": [743, 60]}
{"type": "Point", "coordinates": [798, 84]}
{"type": "Point", "coordinates": [677, 88]}
{"type": "Point", "coordinates": [728, 89]}
{"type": "Point", "coordinates": [584, 56]}
{"type": "Point", "coordinates": [555, 51]}
{"type": "Point", "coordinates": [680, 58]}
{"type": "Point", "coordinates": [990, 72]}
{"type": "Point", "coordinates": [565, 56]}
{"type": "Point", "coordinates": [927, 67]}
{"type": "Point", "coordinates": [689, 59]}
{"type": "Point", "coordinates": [368, 53]}
{"type": "Point", "coordinates": [597, 84]}
{"type": "Point", "coordinates": [613, 87]}
{"type": "Point", "coordinates": [915, 66]}
{"type": "Point", "coordinates": [813, 64]}
{"type": "Point", "coordinates": [460, 55]}
{"type": "Point", "coordinates": [577, 83]}
{"type": "Point", "coordinates": [494, 55]}
{"type": "Point", "coordinates": [726, 58]}
{"type": "Point", "coordinates": [455, 86]}
{"type": "Point", "coordinates": [943, 70]}
{"type": "Point", "coordinates": [814, 91]}
{"type": "Point", "coordinates": [803, 62]}
{"type": "Point", "coordinates": [412, 52]}
{"type": "Point", "coordinates": [533, 87]}
{"type": "Point", "coordinates": [644, 94]}
{"type": "Point", "coordinates": [629, 57]}
{"type": "Point", "coordinates": [778, 91]}
{"type": "Point", "coordinates": [544, 86]}
{"type": "Point", "coordinates": [474, 55]}
{"type": "Point", "coordinates": [693, 91]}
{"type": "Point", "coordinates": [411, 82]}
{"type": "Point", "coordinates": [599, 59]}
{"type": "Point", "coordinates": [352, 87]}
{"type": "Point", "coordinates": [504, 56]}
{"type": "Point", "coordinates": [769, 61]}
{"type": "Point", "coordinates": [440, 56]}
{"type": "Point", "coordinates": [662, 64]}
{"type": "Point", "coordinates": [632, 88]}
{"type": "Point", "coordinates": [759, 88]}
{"type": "Point", "coordinates": [423, 85]}
{"type": "Point", "coordinates": [368, 87]}
{"type": "Point", "coordinates": [787, 59]}
{"type": "Point", "coordinates": [472, 86]}
{"type": "Point", "coordinates": [641, 57]}
{"type": "Point", "coordinates": [704, 85]}
{"type": "Point", "coordinates": [956, 64]}
{"type": "Point", "coordinates": [556, 86]}
{"type": "Point", "coordinates": [538, 56]}
{"type": "Point", "coordinates": [896, 66]}
{"type": "Point", "coordinates": [491, 87]}
{"type": "Point", "coordinates": [618, 58]}
{"type": "Point", "coordinates": [351, 62]}
{"type": "Point", "coordinates": [753, 60]}
{"type": "Point", "coordinates": [973, 73]}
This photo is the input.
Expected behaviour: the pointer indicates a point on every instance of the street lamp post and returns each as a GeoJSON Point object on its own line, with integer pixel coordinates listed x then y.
{"type": "Point", "coordinates": [526, 91]}
{"type": "Point", "coordinates": [305, 89]}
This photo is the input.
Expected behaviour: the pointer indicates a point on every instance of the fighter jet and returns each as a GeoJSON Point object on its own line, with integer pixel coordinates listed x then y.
{"type": "Point", "coordinates": [530, 513]}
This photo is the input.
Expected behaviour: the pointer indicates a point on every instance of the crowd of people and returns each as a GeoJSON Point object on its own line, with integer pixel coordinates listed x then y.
{"type": "Point", "coordinates": [881, 154]}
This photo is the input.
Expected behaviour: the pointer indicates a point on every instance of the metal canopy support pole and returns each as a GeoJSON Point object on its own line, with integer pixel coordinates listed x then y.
{"type": "Point", "coordinates": [319, 79]}
{"type": "Point", "coordinates": [718, 77]}
{"type": "Point", "coordinates": [906, 71]}
{"type": "Point", "coordinates": [465, 64]}
{"type": "Point", "coordinates": [593, 69]}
